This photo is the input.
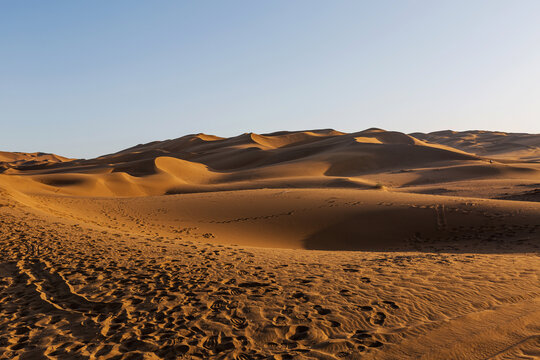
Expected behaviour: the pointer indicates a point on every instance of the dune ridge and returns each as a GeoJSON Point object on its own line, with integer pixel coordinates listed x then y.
{"type": "Point", "coordinates": [10, 161]}
{"type": "Point", "coordinates": [283, 159]}
{"type": "Point", "coordinates": [488, 143]}
{"type": "Point", "coordinates": [373, 158]}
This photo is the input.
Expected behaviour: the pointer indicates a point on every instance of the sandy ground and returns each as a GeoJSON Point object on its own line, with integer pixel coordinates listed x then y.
{"type": "Point", "coordinates": [310, 251]}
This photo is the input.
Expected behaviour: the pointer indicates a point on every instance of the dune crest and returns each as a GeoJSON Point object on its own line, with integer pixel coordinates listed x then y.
{"type": "Point", "coordinates": [489, 143]}
{"type": "Point", "coordinates": [12, 161]}
{"type": "Point", "coordinates": [326, 156]}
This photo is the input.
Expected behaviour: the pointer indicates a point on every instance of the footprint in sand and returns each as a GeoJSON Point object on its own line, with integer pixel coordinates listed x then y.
{"type": "Point", "coordinates": [391, 304]}
{"type": "Point", "coordinates": [236, 291]}
{"type": "Point", "coordinates": [211, 342]}
{"type": "Point", "coordinates": [378, 318]}
{"type": "Point", "coordinates": [218, 305]}
{"type": "Point", "coordinates": [300, 296]}
{"type": "Point", "coordinates": [244, 357]}
{"type": "Point", "coordinates": [322, 311]}
{"type": "Point", "coordinates": [239, 323]}
{"type": "Point", "coordinates": [299, 332]}
{"type": "Point", "coordinates": [365, 339]}
{"type": "Point", "coordinates": [280, 320]}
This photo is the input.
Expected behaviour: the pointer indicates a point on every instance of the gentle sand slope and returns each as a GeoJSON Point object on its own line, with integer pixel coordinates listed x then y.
{"type": "Point", "coordinates": [117, 283]}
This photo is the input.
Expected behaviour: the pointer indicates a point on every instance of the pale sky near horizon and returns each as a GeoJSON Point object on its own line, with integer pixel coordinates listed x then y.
{"type": "Point", "coordinates": [86, 78]}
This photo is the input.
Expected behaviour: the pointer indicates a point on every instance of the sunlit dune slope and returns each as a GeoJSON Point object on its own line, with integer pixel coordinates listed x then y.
{"type": "Point", "coordinates": [11, 161]}
{"type": "Point", "coordinates": [200, 163]}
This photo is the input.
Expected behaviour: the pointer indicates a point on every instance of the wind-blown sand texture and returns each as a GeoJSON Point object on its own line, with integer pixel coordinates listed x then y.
{"type": "Point", "coordinates": [292, 245]}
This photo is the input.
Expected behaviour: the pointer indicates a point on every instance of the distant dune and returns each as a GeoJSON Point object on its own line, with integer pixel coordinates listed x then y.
{"type": "Point", "coordinates": [525, 147]}
{"type": "Point", "coordinates": [373, 158]}
{"type": "Point", "coordinates": [10, 160]}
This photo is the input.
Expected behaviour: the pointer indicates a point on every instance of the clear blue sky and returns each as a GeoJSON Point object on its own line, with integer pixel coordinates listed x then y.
{"type": "Point", "coordinates": [84, 78]}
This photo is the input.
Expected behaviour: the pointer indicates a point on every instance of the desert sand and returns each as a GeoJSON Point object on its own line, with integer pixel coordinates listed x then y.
{"type": "Point", "coordinates": [292, 245]}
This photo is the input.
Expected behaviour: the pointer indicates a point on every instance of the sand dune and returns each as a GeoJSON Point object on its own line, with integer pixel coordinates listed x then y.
{"type": "Point", "coordinates": [11, 161]}
{"type": "Point", "coordinates": [489, 143]}
{"type": "Point", "coordinates": [284, 159]}
{"type": "Point", "coordinates": [373, 158]}
{"type": "Point", "coordinates": [292, 245]}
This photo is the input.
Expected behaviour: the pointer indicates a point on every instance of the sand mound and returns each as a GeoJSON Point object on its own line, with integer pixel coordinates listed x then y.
{"type": "Point", "coordinates": [488, 143]}
{"type": "Point", "coordinates": [27, 161]}
{"type": "Point", "coordinates": [185, 171]}
{"type": "Point", "coordinates": [16, 157]}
